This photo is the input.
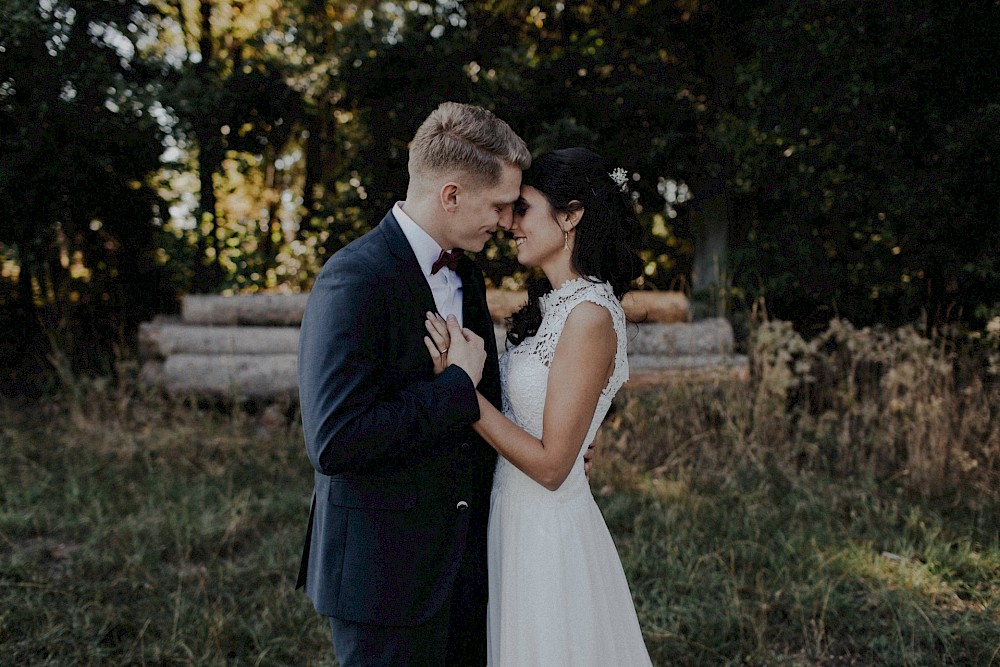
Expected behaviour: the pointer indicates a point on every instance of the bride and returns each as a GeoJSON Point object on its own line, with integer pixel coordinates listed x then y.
{"type": "Point", "coordinates": [557, 591]}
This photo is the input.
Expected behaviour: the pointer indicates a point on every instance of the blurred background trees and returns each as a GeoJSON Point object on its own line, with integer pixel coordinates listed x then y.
{"type": "Point", "coordinates": [78, 222]}
{"type": "Point", "coordinates": [866, 141]}
{"type": "Point", "coordinates": [844, 152]}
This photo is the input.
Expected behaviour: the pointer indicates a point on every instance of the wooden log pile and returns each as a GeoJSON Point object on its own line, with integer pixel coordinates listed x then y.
{"type": "Point", "coordinates": [245, 347]}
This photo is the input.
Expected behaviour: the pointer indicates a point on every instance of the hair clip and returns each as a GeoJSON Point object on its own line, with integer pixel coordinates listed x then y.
{"type": "Point", "coordinates": [620, 177]}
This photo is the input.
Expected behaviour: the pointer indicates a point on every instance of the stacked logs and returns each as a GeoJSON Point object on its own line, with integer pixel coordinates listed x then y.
{"type": "Point", "coordinates": [244, 347]}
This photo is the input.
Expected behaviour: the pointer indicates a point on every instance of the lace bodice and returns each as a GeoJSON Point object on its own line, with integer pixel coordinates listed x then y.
{"type": "Point", "coordinates": [524, 369]}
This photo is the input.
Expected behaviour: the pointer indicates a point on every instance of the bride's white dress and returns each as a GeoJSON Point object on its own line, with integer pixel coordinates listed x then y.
{"type": "Point", "coordinates": [558, 593]}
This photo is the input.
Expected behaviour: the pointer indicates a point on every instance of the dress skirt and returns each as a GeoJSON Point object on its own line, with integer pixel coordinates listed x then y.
{"type": "Point", "coordinates": [558, 593]}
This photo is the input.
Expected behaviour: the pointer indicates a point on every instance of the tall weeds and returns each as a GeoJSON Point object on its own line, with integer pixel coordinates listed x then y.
{"type": "Point", "coordinates": [889, 404]}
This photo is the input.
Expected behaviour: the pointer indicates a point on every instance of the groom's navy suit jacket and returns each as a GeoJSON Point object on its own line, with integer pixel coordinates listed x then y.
{"type": "Point", "coordinates": [402, 483]}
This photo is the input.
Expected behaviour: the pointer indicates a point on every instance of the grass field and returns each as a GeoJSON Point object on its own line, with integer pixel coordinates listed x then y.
{"type": "Point", "coordinates": [134, 531]}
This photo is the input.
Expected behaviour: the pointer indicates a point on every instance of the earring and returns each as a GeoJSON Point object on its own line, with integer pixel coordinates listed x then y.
{"type": "Point", "coordinates": [566, 240]}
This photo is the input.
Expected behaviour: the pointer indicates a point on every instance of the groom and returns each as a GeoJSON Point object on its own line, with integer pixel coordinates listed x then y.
{"type": "Point", "coordinates": [395, 552]}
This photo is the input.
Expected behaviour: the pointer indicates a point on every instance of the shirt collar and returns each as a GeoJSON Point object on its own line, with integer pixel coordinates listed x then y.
{"type": "Point", "coordinates": [425, 248]}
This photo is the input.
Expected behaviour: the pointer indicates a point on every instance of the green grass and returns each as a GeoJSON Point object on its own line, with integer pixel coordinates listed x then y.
{"type": "Point", "coordinates": [761, 571]}
{"type": "Point", "coordinates": [166, 541]}
{"type": "Point", "coordinates": [136, 532]}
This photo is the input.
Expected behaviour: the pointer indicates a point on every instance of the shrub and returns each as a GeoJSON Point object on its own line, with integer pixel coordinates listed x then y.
{"type": "Point", "coordinates": [889, 404]}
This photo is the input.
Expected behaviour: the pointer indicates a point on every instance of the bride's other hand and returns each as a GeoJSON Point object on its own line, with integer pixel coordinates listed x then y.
{"type": "Point", "coordinates": [437, 341]}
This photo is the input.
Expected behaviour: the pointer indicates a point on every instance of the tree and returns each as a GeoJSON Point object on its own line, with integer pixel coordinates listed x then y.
{"type": "Point", "coordinates": [228, 96]}
{"type": "Point", "coordinates": [76, 145]}
{"type": "Point", "coordinates": [866, 142]}
{"type": "Point", "coordinates": [560, 73]}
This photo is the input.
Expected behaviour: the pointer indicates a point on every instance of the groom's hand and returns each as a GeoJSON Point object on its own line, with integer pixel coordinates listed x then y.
{"type": "Point", "coordinates": [467, 350]}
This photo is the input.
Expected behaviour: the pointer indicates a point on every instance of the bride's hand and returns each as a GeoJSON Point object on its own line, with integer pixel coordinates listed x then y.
{"type": "Point", "coordinates": [588, 457]}
{"type": "Point", "coordinates": [438, 341]}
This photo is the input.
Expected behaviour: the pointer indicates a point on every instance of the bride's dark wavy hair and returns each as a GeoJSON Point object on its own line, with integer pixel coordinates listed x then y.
{"type": "Point", "coordinates": [607, 235]}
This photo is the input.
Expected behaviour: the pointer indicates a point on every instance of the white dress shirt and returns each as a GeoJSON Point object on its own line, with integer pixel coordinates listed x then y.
{"type": "Point", "coordinates": [446, 286]}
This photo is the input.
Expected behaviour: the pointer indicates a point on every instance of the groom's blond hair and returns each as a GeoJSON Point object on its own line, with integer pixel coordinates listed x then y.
{"type": "Point", "coordinates": [467, 138]}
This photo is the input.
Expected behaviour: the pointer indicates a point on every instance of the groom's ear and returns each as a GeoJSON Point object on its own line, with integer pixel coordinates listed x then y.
{"type": "Point", "coordinates": [449, 196]}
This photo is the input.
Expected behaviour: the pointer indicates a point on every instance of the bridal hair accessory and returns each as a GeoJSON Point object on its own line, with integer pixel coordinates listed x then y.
{"type": "Point", "coordinates": [620, 177]}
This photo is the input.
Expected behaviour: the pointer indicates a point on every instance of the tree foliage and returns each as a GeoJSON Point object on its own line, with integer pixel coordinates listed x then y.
{"type": "Point", "coordinates": [76, 147]}
{"type": "Point", "coordinates": [866, 142]}
{"type": "Point", "coordinates": [162, 146]}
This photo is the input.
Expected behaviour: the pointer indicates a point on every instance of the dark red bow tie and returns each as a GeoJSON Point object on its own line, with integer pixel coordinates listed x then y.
{"type": "Point", "coordinates": [447, 258]}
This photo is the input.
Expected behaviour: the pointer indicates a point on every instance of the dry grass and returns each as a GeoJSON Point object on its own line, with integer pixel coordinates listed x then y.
{"type": "Point", "coordinates": [891, 405]}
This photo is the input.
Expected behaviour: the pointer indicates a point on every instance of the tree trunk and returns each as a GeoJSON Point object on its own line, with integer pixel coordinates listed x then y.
{"type": "Point", "coordinates": [25, 289]}
{"type": "Point", "coordinates": [272, 225]}
{"type": "Point", "coordinates": [315, 124]}
{"type": "Point", "coordinates": [711, 214]}
{"type": "Point", "coordinates": [208, 272]}
{"type": "Point", "coordinates": [710, 225]}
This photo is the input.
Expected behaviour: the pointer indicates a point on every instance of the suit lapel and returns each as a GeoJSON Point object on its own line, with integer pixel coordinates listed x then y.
{"type": "Point", "coordinates": [473, 299]}
{"type": "Point", "coordinates": [407, 265]}
{"type": "Point", "coordinates": [476, 316]}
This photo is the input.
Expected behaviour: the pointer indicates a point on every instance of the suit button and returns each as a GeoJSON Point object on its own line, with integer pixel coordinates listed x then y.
{"type": "Point", "coordinates": [464, 447]}
{"type": "Point", "coordinates": [462, 506]}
